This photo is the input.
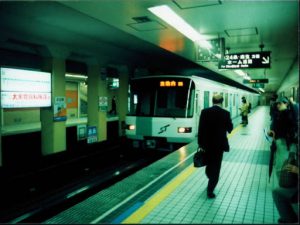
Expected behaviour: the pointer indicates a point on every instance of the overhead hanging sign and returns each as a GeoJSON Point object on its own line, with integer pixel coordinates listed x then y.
{"type": "Point", "coordinates": [255, 81]}
{"type": "Point", "coordinates": [247, 60]}
{"type": "Point", "coordinates": [207, 55]}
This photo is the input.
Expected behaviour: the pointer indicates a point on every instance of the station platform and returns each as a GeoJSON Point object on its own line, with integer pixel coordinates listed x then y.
{"type": "Point", "coordinates": [171, 190]}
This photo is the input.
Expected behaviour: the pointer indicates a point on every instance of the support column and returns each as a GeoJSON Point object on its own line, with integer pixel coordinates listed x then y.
{"type": "Point", "coordinates": [54, 132]}
{"type": "Point", "coordinates": [122, 98]}
{"type": "Point", "coordinates": [0, 135]}
{"type": "Point", "coordinates": [96, 88]}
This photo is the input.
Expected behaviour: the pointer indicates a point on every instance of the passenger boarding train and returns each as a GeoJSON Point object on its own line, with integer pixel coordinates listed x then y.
{"type": "Point", "coordinates": [164, 110]}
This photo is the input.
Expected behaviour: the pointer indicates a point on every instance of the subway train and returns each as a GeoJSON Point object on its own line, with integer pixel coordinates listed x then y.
{"type": "Point", "coordinates": [164, 110]}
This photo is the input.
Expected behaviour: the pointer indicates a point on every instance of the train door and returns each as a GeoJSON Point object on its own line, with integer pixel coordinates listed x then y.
{"type": "Point", "coordinates": [198, 108]}
{"type": "Point", "coordinates": [237, 104]}
{"type": "Point", "coordinates": [198, 105]}
{"type": "Point", "coordinates": [226, 101]}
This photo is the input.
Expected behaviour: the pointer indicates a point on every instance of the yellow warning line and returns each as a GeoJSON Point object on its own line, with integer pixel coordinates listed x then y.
{"type": "Point", "coordinates": [143, 211]}
{"type": "Point", "coordinates": [156, 199]}
{"type": "Point", "coordinates": [235, 130]}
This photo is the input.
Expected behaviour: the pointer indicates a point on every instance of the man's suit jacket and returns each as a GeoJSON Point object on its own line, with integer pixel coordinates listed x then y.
{"type": "Point", "coordinates": [214, 123]}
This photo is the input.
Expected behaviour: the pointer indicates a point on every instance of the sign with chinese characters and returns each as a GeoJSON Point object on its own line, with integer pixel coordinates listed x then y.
{"type": "Point", "coordinates": [103, 103]}
{"type": "Point", "coordinates": [213, 54]}
{"type": "Point", "coordinates": [91, 134]}
{"type": "Point", "coordinates": [24, 99]}
{"type": "Point", "coordinates": [246, 60]}
{"type": "Point", "coordinates": [25, 88]}
{"type": "Point", "coordinates": [170, 83]}
{"type": "Point", "coordinates": [258, 85]}
{"type": "Point", "coordinates": [60, 111]}
{"type": "Point", "coordinates": [253, 81]}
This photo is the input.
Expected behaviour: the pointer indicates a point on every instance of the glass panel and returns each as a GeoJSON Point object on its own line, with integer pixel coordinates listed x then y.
{"type": "Point", "coordinates": [164, 97]}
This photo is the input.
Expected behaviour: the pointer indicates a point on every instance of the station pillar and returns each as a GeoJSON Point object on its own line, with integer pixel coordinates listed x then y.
{"type": "Point", "coordinates": [123, 98]}
{"type": "Point", "coordinates": [54, 132]}
{"type": "Point", "coordinates": [97, 89]}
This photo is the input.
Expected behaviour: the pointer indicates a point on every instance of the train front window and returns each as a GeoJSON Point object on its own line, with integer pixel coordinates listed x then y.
{"type": "Point", "coordinates": [153, 97]}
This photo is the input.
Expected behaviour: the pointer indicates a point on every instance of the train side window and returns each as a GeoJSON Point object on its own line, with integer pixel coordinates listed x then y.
{"type": "Point", "coordinates": [233, 99]}
{"type": "Point", "coordinates": [226, 100]}
{"type": "Point", "coordinates": [222, 94]}
{"type": "Point", "coordinates": [206, 99]}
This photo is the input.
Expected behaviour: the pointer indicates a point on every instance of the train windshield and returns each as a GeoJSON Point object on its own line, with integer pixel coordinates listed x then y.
{"type": "Point", "coordinates": [162, 97]}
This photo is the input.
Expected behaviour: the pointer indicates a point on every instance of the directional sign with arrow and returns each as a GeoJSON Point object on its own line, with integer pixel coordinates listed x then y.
{"type": "Point", "coordinates": [246, 60]}
{"type": "Point", "coordinates": [266, 60]}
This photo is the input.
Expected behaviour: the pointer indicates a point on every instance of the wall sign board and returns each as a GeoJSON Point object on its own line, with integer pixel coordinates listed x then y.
{"type": "Point", "coordinates": [25, 88]}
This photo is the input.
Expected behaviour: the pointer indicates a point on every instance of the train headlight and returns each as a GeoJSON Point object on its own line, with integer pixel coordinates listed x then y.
{"type": "Point", "coordinates": [184, 130]}
{"type": "Point", "coordinates": [130, 127]}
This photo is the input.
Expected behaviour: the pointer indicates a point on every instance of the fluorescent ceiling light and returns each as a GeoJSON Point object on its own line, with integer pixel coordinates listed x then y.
{"type": "Point", "coordinates": [218, 56]}
{"type": "Point", "coordinates": [262, 90]}
{"type": "Point", "coordinates": [169, 16]}
{"type": "Point", "coordinates": [76, 76]}
{"type": "Point", "coordinates": [240, 73]}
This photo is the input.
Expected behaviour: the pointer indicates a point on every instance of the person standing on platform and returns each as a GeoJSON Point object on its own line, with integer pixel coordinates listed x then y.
{"type": "Point", "coordinates": [284, 128]}
{"type": "Point", "coordinates": [273, 107]}
{"type": "Point", "coordinates": [244, 111]}
{"type": "Point", "coordinates": [113, 110]}
{"type": "Point", "coordinates": [214, 123]}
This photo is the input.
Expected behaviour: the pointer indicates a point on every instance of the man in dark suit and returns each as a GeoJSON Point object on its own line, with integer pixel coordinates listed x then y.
{"type": "Point", "coordinates": [214, 124]}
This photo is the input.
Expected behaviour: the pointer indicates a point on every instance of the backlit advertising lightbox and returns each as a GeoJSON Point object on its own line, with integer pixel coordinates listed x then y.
{"type": "Point", "coordinates": [25, 88]}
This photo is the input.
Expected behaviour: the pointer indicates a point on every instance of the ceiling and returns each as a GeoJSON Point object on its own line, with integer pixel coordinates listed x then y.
{"type": "Point", "coordinates": [89, 27]}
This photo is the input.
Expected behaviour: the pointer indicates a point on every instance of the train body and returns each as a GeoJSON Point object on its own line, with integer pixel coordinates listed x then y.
{"type": "Point", "coordinates": [164, 110]}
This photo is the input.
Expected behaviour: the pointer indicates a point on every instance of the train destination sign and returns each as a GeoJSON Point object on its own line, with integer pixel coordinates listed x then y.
{"type": "Point", "coordinates": [246, 60]}
{"type": "Point", "coordinates": [255, 81]}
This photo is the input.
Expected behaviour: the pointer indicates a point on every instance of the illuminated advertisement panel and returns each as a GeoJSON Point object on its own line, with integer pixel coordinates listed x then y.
{"type": "Point", "coordinates": [25, 88]}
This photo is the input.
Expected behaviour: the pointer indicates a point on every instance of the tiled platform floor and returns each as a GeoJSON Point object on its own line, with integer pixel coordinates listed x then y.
{"type": "Point", "coordinates": [243, 192]}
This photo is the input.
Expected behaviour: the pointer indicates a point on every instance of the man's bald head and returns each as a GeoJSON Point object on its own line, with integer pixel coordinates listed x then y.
{"type": "Point", "coordinates": [217, 99]}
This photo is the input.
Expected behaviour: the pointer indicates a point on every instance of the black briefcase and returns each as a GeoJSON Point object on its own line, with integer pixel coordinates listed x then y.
{"type": "Point", "coordinates": [200, 158]}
